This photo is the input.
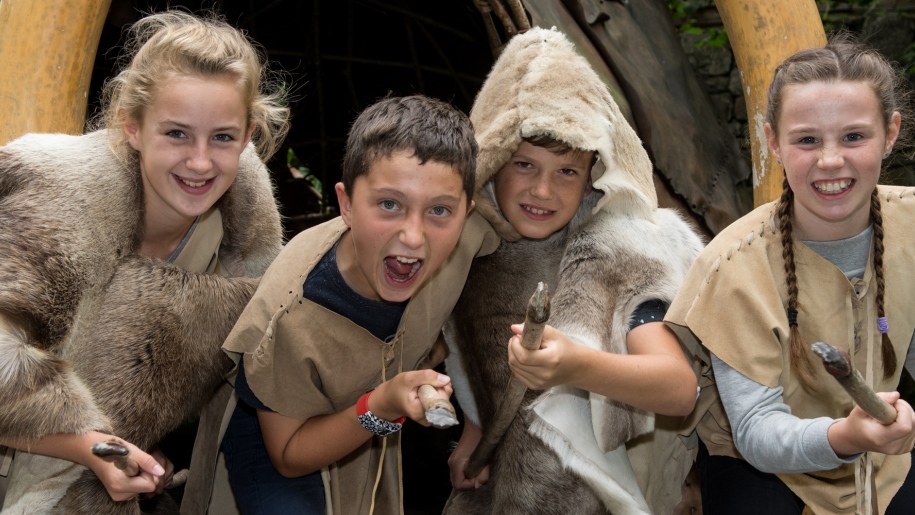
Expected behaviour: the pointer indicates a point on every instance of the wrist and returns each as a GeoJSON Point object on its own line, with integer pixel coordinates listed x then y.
{"type": "Point", "coordinates": [374, 401]}
{"type": "Point", "coordinates": [838, 435]}
{"type": "Point", "coordinates": [581, 361]}
{"type": "Point", "coordinates": [374, 423]}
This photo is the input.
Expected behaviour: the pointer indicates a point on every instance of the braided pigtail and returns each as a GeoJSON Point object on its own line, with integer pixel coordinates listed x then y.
{"type": "Point", "coordinates": [799, 359]}
{"type": "Point", "coordinates": [889, 355]}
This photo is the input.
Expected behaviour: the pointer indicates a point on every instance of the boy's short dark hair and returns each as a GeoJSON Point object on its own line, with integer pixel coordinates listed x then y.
{"type": "Point", "coordinates": [431, 129]}
{"type": "Point", "coordinates": [559, 147]}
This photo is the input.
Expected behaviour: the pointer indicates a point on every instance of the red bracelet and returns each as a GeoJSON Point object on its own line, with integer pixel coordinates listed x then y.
{"type": "Point", "coordinates": [362, 407]}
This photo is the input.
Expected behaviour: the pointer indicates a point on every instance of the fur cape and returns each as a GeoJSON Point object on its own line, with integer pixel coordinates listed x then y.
{"type": "Point", "coordinates": [94, 336]}
{"type": "Point", "coordinates": [566, 452]}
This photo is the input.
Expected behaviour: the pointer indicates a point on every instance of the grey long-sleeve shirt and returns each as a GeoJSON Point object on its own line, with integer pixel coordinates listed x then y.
{"type": "Point", "coordinates": [765, 432]}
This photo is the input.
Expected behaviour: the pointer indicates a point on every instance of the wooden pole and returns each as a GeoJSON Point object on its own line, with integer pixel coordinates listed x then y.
{"type": "Point", "coordinates": [762, 35]}
{"type": "Point", "coordinates": [47, 51]}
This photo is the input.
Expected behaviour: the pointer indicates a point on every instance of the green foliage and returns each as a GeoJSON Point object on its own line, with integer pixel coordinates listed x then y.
{"type": "Point", "coordinates": [834, 21]}
{"type": "Point", "coordinates": [682, 12]}
{"type": "Point", "coordinates": [294, 163]}
{"type": "Point", "coordinates": [908, 61]}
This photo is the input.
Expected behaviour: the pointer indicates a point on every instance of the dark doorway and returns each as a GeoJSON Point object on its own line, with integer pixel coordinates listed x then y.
{"type": "Point", "coordinates": [336, 57]}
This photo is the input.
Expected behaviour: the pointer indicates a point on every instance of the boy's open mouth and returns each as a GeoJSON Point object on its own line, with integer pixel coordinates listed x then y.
{"type": "Point", "coordinates": [401, 269]}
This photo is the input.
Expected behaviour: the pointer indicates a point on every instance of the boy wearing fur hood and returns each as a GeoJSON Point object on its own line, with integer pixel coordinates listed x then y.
{"type": "Point", "coordinates": [567, 185]}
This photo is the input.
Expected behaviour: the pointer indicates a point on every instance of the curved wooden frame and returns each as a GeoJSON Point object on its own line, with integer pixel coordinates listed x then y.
{"type": "Point", "coordinates": [47, 51]}
{"type": "Point", "coordinates": [762, 35]}
{"type": "Point", "coordinates": [50, 47]}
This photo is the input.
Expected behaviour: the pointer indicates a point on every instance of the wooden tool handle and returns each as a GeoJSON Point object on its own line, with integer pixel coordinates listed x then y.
{"type": "Point", "coordinates": [439, 411]}
{"type": "Point", "coordinates": [538, 313]}
{"type": "Point", "coordinates": [113, 452]}
{"type": "Point", "coordinates": [836, 362]}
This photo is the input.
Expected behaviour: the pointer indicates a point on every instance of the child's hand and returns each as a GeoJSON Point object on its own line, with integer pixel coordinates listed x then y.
{"type": "Point", "coordinates": [859, 432]}
{"type": "Point", "coordinates": [122, 487]}
{"type": "Point", "coordinates": [399, 397]}
{"type": "Point", "coordinates": [553, 364]}
{"type": "Point", "coordinates": [166, 478]}
{"type": "Point", "coordinates": [439, 351]}
{"type": "Point", "coordinates": [470, 438]}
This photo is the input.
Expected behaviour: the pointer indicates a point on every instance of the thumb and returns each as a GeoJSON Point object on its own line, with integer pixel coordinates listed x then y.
{"type": "Point", "coordinates": [436, 379]}
{"type": "Point", "coordinates": [146, 462]}
{"type": "Point", "coordinates": [890, 397]}
{"type": "Point", "coordinates": [517, 328]}
{"type": "Point", "coordinates": [482, 478]}
{"type": "Point", "coordinates": [430, 377]}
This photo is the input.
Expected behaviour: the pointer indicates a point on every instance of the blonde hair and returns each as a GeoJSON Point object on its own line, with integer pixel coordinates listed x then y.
{"type": "Point", "coordinates": [176, 43]}
{"type": "Point", "coordinates": [841, 60]}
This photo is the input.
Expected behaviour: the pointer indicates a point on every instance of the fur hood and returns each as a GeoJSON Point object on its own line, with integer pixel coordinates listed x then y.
{"type": "Point", "coordinates": [540, 85]}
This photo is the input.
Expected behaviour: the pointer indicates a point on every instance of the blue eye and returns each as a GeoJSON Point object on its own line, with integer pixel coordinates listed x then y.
{"type": "Point", "coordinates": [809, 140]}
{"type": "Point", "coordinates": [388, 205]}
{"type": "Point", "coordinates": [223, 137]}
{"type": "Point", "coordinates": [176, 134]}
{"type": "Point", "coordinates": [854, 137]}
{"type": "Point", "coordinates": [440, 211]}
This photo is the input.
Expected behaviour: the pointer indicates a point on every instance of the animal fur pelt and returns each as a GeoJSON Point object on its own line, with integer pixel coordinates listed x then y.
{"type": "Point", "coordinates": [565, 451]}
{"type": "Point", "coordinates": [92, 336]}
{"type": "Point", "coordinates": [540, 86]}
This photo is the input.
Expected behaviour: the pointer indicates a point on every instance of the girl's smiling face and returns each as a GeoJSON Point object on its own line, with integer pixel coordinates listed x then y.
{"type": "Point", "coordinates": [831, 139]}
{"type": "Point", "coordinates": [189, 143]}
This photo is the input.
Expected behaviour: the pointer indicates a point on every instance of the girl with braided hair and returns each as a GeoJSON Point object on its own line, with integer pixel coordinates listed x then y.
{"type": "Point", "coordinates": [829, 261]}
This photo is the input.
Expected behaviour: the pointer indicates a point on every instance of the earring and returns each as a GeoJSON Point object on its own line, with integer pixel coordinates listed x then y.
{"type": "Point", "coordinates": [886, 155]}
{"type": "Point", "coordinates": [778, 162]}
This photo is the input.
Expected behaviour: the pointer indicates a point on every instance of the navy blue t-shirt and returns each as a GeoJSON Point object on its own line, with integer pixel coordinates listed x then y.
{"type": "Point", "coordinates": [326, 287]}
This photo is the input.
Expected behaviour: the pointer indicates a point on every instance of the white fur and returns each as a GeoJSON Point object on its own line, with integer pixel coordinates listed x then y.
{"type": "Point", "coordinates": [459, 382]}
{"type": "Point", "coordinates": [569, 420]}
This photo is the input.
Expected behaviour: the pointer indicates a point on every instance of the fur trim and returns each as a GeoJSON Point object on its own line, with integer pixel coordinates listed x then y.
{"type": "Point", "coordinates": [611, 476]}
{"type": "Point", "coordinates": [610, 266]}
{"type": "Point", "coordinates": [541, 86]}
{"type": "Point", "coordinates": [603, 268]}
{"type": "Point", "coordinates": [608, 260]}
{"type": "Point", "coordinates": [92, 336]}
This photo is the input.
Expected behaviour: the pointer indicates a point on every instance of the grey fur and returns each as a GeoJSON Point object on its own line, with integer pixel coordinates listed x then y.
{"type": "Point", "coordinates": [602, 271]}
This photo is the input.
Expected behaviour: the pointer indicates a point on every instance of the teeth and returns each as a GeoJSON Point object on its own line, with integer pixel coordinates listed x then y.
{"type": "Point", "coordinates": [832, 186]}
{"type": "Point", "coordinates": [536, 211]}
{"type": "Point", "coordinates": [193, 184]}
{"type": "Point", "coordinates": [406, 260]}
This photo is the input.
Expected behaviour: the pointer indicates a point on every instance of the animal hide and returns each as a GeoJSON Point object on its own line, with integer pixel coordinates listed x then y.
{"type": "Point", "coordinates": [94, 337]}
{"type": "Point", "coordinates": [564, 452]}
{"type": "Point", "coordinates": [540, 86]}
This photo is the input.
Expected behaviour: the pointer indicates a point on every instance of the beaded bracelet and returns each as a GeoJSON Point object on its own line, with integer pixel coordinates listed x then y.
{"type": "Point", "coordinates": [368, 420]}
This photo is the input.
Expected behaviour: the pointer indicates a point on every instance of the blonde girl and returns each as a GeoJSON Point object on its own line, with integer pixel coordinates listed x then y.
{"type": "Point", "coordinates": [168, 184]}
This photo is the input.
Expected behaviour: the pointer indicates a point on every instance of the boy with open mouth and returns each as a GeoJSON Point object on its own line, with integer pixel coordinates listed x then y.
{"type": "Point", "coordinates": [353, 306]}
